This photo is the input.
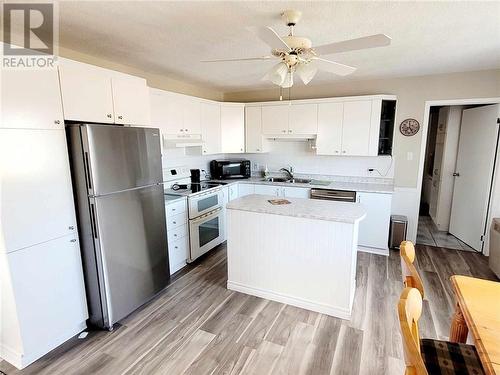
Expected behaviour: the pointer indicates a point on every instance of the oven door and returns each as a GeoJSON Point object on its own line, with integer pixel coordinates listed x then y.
{"type": "Point", "coordinates": [206, 232]}
{"type": "Point", "coordinates": [203, 203]}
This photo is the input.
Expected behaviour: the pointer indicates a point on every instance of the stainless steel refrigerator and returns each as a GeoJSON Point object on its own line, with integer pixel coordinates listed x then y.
{"type": "Point", "coordinates": [117, 179]}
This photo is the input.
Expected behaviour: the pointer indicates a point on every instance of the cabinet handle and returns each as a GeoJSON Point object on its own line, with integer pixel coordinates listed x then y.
{"type": "Point", "coordinates": [175, 235]}
{"type": "Point", "coordinates": [343, 151]}
{"type": "Point", "coordinates": [108, 115]}
{"type": "Point", "coordinates": [289, 131]}
{"type": "Point", "coordinates": [182, 130]}
{"type": "Point", "coordinates": [241, 149]}
{"type": "Point", "coordinates": [284, 131]}
{"type": "Point", "coordinates": [173, 222]}
{"type": "Point", "coordinates": [57, 122]}
{"type": "Point", "coordinates": [120, 117]}
{"type": "Point", "coordinates": [336, 151]}
{"type": "Point", "coordinates": [73, 240]}
{"type": "Point", "coordinates": [71, 227]}
{"type": "Point", "coordinates": [204, 151]}
{"type": "Point", "coordinates": [185, 130]}
{"type": "Point", "coordinates": [173, 209]}
{"type": "Point", "coordinates": [258, 149]}
{"type": "Point", "coordinates": [176, 247]}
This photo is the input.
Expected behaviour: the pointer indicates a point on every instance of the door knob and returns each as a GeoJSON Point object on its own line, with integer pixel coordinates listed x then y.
{"type": "Point", "coordinates": [456, 174]}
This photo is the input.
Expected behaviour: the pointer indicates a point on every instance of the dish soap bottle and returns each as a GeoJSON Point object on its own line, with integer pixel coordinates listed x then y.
{"type": "Point", "coordinates": [266, 172]}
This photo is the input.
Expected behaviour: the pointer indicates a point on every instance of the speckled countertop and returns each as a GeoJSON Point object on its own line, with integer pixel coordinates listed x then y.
{"type": "Point", "coordinates": [300, 207]}
{"type": "Point", "coordinates": [365, 185]}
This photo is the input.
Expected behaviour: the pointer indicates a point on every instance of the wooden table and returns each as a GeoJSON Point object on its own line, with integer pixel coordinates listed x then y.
{"type": "Point", "coordinates": [478, 310]}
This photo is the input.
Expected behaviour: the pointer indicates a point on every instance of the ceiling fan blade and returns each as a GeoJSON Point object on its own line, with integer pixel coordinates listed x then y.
{"type": "Point", "coordinates": [333, 67]}
{"type": "Point", "coordinates": [271, 38]}
{"type": "Point", "coordinates": [372, 41]}
{"type": "Point", "coordinates": [240, 59]}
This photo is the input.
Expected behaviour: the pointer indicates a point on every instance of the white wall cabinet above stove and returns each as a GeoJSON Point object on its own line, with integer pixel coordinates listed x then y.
{"type": "Point", "coordinates": [31, 99]}
{"type": "Point", "coordinates": [232, 122]}
{"type": "Point", "coordinates": [95, 94]}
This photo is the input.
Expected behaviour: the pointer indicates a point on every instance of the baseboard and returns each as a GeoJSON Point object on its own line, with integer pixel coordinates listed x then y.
{"type": "Point", "coordinates": [374, 250]}
{"type": "Point", "coordinates": [20, 360]}
{"type": "Point", "coordinates": [289, 300]}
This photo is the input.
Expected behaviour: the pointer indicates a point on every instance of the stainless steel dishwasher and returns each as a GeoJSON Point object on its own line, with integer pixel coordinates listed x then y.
{"type": "Point", "coordinates": [334, 195]}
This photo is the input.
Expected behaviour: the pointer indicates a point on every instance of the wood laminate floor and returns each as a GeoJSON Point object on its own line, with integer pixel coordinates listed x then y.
{"type": "Point", "coordinates": [197, 326]}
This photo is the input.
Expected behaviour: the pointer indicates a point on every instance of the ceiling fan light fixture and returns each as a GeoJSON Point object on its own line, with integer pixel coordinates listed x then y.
{"type": "Point", "coordinates": [306, 71]}
{"type": "Point", "coordinates": [277, 74]}
{"type": "Point", "coordinates": [288, 81]}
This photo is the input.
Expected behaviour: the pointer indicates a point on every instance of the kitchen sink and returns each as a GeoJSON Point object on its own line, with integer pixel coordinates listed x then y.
{"type": "Point", "coordinates": [275, 179]}
{"type": "Point", "coordinates": [299, 181]}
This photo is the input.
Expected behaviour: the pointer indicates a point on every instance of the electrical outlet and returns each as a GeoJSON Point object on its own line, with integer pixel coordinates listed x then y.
{"type": "Point", "coordinates": [256, 166]}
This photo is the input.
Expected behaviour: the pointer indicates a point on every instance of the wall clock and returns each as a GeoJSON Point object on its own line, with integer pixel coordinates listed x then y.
{"type": "Point", "coordinates": [409, 127]}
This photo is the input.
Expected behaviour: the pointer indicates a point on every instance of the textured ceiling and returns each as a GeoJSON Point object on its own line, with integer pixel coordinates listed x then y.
{"type": "Point", "coordinates": [171, 37]}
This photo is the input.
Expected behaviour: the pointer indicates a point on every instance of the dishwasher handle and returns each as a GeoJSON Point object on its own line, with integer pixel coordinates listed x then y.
{"type": "Point", "coordinates": [334, 195]}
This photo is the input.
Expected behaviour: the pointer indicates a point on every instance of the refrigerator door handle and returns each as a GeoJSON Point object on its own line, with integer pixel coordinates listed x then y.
{"type": "Point", "coordinates": [87, 170]}
{"type": "Point", "coordinates": [93, 221]}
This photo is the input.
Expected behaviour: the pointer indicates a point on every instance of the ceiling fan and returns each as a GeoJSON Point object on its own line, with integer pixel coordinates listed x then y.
{"type": "Point", "coordinates": [298, 57]}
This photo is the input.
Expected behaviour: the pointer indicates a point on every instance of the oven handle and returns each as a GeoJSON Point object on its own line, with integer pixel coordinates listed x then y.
{"type": "Point", "coordinates": [207, 215]}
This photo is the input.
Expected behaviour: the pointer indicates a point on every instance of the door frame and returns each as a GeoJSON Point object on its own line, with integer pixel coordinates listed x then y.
{"type": "Point", "coordinates": [423, 145]}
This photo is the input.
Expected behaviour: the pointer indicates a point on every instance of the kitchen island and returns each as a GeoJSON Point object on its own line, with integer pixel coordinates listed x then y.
{"type": "Point", "coordinates": [302, 253]}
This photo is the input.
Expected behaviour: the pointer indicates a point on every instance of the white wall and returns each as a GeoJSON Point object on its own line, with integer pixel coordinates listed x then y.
{"type": "Point", "coordinates": [303, 158]}
{"type": "Point", "coordinates": [190, 157]}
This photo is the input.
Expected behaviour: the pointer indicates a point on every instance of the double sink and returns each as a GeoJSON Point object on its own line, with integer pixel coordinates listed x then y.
{"type": "Point", "coordinates": [288, 180]}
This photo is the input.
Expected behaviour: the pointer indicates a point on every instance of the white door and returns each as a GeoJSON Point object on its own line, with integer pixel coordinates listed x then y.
{"type": "Point", "coordinates": [210, 128]}
{"type": "Point", "coordinates": [254, 142]}
{"type": "Point", "coordinates": [295, 192]}
{"type": "Point", "coordinates": [192, 115]}
{"type": "Point", "coordinates": [475, 161]}
{"type": "Point", "coordinates": [86, 92]}
{"type": "Point", "coordinates": [232, 123]}
{"type": "Point", "coordinates": [356, 128]}
{"type": "Point", "coordinates": [303, 119]}
{"type": "Point", "coordinates": [329, 139]}
{"type": "Point", "coordinates": [275, 119]}
{"type": "Point", "coordinates": [37, 198]}
{"type": "Point", "coordinates": [374, 228]}
{"type": "Point", "coordinates": [47, 280]}
{"type": "Point", "coordinates": [131, 101]}
{"type": "Point", "coordinates": [268, 190]}
{"type": "Point", "coordinates": [31, 99]}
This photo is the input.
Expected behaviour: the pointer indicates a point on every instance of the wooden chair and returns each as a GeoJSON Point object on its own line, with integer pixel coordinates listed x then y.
{"type": "Point", "coordinates": [427, 356]}
{"type": "Point", "coordinates": [411, 278]}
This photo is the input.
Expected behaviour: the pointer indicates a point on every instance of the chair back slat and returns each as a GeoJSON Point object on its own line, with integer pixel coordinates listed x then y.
{"type": "Point", "coordinates": [411, 278]}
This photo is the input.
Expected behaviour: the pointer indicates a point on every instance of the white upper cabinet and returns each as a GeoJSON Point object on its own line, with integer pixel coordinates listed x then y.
{"type": "Point", "coordinates": [94, 94]}
{"type": "Point", "coordinates": [303, 119]}
{"type": "Point", "coordinates": [191, 108]}
{"type": "Point", "coordinates": [329, 140]}
{"type": "Point", "coordinates": [356, 127]}
{"type": "Point", "coordinates": [31, 99]}
{"type": "Point", "coordinates": [275, 119]}
{"type": "Point", "coordinates": [232, 122]}
{"type": "Point", "coordinates": [210, 128]}
{"type": "Point", "coordinates": [86, 92]}
{"type": "Point", "coordinates": [131, 101]}
{"type": "Point", "coordinates": [254, 141]}
{"type": "Point", "coordinates": [37, 197]}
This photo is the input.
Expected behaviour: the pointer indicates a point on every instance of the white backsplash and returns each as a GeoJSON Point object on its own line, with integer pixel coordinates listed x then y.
{"type": "Point", "coordinates": [303, 159]}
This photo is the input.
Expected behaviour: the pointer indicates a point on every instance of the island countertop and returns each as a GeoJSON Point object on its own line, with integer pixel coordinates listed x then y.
{"type": "Point", "coordinates": [301, 207]}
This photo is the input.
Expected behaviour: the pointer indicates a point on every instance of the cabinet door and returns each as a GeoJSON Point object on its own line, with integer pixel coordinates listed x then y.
{"type": "Point", "coordinates": [192, 115]}
{"type": "Point", "coordinates": [173, 113]}
{"type": "Point", "coordinates": [131, 101]}
{"type": "Point", "coordinates": [177, 253]}
{"type": "Point", "coordinates": [233, 191]}
{"type": "Point", "coordinates": [31, 99]}
{"type": "Point", "coordinates": [245, 189]}
{"type": "Point", "coordinates": [86, 92]}
{"type": "Point", "coordinates": [356, 128]}
{"type": "Point", "coordinates": [210, 128]}
{"type": "Point", "coordinates": [232, 123]}
{"type": "Point", "coordinates": [303, 119]}
{"type": "Point", "coordinates": [295, 192]}
{"type": "Point", "coordinates": [37, 197]}
{"type": "Point", "coordinates": [275, 119]}
{"type": "Point", "coordinates": [254, 141]}
{"type": "Point", "coordinates": [47, 281]}
{"type": "Point", "coordinates": [330, 117]}
{"type": "Point", "coordinates": [268, 190]}
{"type": "Point", "coordinates": [374, 228]}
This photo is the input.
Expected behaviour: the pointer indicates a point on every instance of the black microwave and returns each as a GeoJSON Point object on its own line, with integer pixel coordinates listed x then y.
{"type": "Point", "coordinates": [232, 168]}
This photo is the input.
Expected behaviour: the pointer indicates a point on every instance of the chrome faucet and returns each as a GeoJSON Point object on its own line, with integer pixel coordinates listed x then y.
{"type": "Point", "coordinates": [288, 171]}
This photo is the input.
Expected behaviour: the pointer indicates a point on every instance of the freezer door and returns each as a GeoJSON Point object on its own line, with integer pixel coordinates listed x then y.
{"type": "Point", "coordinates": [132, 238]}
{"type": "Point", "coordinates": [120, 158]}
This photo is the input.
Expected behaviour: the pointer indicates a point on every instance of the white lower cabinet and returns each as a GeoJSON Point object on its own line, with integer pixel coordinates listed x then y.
{"type": "Point", "coordinates": [49, 292]}
{"type": "Point", "coordinates": [268, 190]}
{"type": "Point", "coordinates": [232, 192]}
{"type": "Point", "coordinates": [374, 228]}
{"type": "Point", "coordinates": [177, 233]}
{"type": "Point", "coordinates": [282, 191]}
{"type": "Point", "coordinates": [245, 189]}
